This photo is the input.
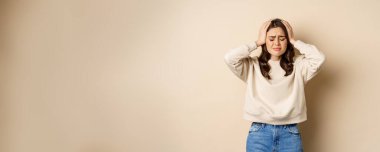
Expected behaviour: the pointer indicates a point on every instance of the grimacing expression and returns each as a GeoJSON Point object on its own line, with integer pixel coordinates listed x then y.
{"type": "Point", "coordinates": [276, 41]}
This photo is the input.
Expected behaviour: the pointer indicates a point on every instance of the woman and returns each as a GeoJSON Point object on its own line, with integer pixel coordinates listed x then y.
{"type": "Point", "coordinates": [275, 97]}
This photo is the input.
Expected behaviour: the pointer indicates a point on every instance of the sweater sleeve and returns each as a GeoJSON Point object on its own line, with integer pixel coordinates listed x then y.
{"type": "Point", "coordinates": [311, 61]}
{"type": "Point", "coordinates": [237, 59]}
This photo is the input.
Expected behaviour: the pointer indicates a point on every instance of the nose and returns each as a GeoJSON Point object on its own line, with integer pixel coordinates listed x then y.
{"type": "Point", "coordinates": [277, 42]}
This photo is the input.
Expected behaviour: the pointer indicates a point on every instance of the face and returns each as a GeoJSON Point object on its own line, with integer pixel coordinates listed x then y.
{"type": "Point", "coordinates": [276, 42]}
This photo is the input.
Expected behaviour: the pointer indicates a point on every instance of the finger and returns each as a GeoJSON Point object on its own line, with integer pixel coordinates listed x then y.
{"type": "Point", "coordinates": [264, 24]}
{"type": "Point", "coordinates": [285, 23]}
{"type": "Point", "coordinates": [287, 26]}
{"type": "Point", "coordinates": [267, 23]}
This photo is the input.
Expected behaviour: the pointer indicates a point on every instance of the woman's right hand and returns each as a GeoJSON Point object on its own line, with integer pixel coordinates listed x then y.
{"type": "Point", "coordinates": [262, 33]}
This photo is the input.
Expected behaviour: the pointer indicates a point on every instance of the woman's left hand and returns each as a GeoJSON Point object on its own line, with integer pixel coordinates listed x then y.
{"type": "Point", "coordinates": [290, 31]}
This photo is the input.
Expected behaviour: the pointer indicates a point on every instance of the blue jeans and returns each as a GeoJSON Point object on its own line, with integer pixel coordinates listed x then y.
{"type": "Point", "coordinates": [263, 137]}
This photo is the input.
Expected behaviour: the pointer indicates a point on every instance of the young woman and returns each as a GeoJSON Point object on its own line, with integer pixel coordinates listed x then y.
{"type": "Point", "coordinates": [275, 97]}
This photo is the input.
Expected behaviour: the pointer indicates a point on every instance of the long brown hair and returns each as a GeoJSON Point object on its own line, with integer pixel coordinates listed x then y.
{"type": "Point", "coordinates": [286, 61]}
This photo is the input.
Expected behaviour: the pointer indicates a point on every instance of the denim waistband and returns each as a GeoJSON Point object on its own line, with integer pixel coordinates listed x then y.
{"type": "Point", "coordinates": [267, 124]}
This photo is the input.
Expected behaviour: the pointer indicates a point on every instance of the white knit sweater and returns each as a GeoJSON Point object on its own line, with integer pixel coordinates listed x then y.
{"type": "Point", "coordinates": [282, 99]}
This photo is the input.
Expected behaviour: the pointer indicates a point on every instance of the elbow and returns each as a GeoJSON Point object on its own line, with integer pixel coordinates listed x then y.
{"type": "Point", "coordinates": [227, 58]}
{"type": "Point", "coordinates": [322, 58]}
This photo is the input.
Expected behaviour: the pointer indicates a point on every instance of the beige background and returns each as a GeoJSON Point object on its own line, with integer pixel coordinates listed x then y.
{"type": "Point", "coordinates": [143, 76]}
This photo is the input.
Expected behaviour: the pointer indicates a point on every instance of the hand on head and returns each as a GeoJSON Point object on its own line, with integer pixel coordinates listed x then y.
{"type": "Point", "coordinates": [290, 31]}
{"type": "Point", "coordinates": [263, 31]}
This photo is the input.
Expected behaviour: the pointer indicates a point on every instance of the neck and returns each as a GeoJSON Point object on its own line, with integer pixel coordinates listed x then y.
{"type": "Point", "coordinates": [275, 58]}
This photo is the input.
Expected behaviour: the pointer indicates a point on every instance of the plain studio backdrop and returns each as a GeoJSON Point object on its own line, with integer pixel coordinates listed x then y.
{"type": "Point", "coordinates": [149, 76]}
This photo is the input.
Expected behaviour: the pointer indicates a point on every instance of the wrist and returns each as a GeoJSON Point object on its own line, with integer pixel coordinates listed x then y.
{"type": "Point", "coordinates": [293, 41]}
{"type": "Point", "coordinates": [258, 44]}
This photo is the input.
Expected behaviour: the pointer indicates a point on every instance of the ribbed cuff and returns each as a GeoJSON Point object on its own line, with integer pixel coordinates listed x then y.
{"type": "Point", "coordinates": [299, 44]}
{"type": "Point", "coordinates": [251, 47]}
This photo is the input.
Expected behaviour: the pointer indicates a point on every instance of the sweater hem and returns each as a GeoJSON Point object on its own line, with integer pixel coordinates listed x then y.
{"type": "Point", "coordinates": [296, 119]}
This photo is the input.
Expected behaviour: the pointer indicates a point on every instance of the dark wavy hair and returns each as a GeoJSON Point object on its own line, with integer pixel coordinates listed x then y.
{"type": "Point", "coordinates": [286, 61]}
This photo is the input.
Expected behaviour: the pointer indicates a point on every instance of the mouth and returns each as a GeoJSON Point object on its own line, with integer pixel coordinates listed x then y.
{"type": "Point", "coordinates": [277, 49]}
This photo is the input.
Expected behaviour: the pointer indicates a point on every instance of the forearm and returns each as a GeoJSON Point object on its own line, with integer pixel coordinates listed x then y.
{"type": "Point", "coordinates": [235, 55]}
{"type": "Point", "coordinates": [237, 60]}
{"type": "Point", "coordinates": [309, 51]}
{"type": "Point", "coordinates": [312, 61]}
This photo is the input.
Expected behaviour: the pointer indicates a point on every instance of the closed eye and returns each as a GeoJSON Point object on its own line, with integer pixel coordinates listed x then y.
{"type": "Point", "coordinates": [280, 39]}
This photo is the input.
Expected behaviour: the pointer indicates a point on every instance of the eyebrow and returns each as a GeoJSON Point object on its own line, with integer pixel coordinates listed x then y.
{"type": "Point", "coordinates": [278, 36]}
